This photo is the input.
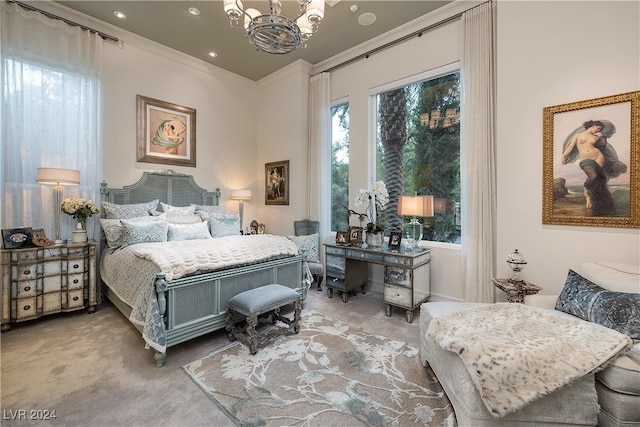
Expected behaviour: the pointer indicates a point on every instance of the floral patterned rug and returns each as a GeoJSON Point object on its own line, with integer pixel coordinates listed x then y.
{"type": "Point", "coordinates": [330, 374]}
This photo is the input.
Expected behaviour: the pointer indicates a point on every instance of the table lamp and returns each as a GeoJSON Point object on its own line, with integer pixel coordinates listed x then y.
{"type": "Point", "coordinates": [241, 195]}
{"type": "Point", "coordinates": [415, 206]}
{"type": "Point", "coordinates": [57, 177]}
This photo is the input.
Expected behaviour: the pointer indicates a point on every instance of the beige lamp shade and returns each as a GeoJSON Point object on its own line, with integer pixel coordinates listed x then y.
{"type": "Point", "coordinates": [241, 194]}
{"type": "Point", "coordinates": [56, 176]}
{"type": "Point", "coordinates": [415, 206]}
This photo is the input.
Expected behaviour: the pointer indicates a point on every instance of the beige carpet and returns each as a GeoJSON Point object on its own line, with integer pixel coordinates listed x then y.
{"type": "Point", "coordinates": [331, 373]}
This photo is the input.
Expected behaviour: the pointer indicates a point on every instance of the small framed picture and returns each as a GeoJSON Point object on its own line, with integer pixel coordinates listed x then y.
{"type": "Point", "coordinates": [342, 237]}
{"type": "Point", "coordinates": [395, 239]}
{"type": "Point", "coordinates": [276, 183]}
{"type": "Point", "coordinates": [355, 236]}
{"type": "Point", "coordinates": [17, 238]}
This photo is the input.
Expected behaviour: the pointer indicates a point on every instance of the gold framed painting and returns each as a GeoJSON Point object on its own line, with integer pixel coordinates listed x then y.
{"type": "Point", "coordinates": [276, 183]}
{"type": "Point", "coordinates": [591, 162]}
{"type": "Point", "coordinates": [166, 132]}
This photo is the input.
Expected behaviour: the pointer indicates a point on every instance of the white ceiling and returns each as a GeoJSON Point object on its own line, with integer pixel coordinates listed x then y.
{"type": "Point", "coordinates": [170, 24]}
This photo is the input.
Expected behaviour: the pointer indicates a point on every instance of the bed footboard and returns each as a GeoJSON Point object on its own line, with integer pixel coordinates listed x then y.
{"type": "Point", "coordinates": [196, 305]}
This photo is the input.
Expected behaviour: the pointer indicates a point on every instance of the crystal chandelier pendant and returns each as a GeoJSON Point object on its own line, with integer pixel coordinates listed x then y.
{"type": "Point", "coordinates": [274, 32]}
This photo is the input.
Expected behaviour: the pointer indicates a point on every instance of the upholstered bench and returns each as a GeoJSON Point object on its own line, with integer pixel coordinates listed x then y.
{"type": "Point", "coordinates": [251, 304]}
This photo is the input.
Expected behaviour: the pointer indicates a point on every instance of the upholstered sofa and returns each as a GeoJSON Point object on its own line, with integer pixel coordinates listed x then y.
{"type": "Point", "coordinates": [609, 397]}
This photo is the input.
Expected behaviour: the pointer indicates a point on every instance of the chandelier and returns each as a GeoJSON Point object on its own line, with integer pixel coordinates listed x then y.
{"type": "Point", "coordinates": [275, 33]}
{"type": "Point", "coordinates": [451, 117]}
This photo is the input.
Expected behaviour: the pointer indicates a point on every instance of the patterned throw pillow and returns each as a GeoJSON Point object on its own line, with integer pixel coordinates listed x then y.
{"type": "Point", "coordinates": [223, 224]}
{"type": "Point", "coordinates": [193, 231]}
{"type": "Point", "coordinates": [175, 210]}
{"type": "Point", "coordinates": [113, 232]}
{"type": "Point", "coordinates": [144, 230]}
{"type": "Point", "coordinates": [307, 246]}
{"type": "Point", "coordinates": [115, 211]}
{"type": "Point", "coordinates": [211, 209]}
{"type": "Point", "coordinates": [616, 310]}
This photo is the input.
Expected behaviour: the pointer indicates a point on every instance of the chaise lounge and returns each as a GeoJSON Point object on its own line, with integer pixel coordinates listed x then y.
{"type": "Point", "coordinates": [608, 397]}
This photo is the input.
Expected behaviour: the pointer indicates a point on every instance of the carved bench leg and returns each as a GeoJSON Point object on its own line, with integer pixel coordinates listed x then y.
{"type": "Point", "coordinates": [251, 333]}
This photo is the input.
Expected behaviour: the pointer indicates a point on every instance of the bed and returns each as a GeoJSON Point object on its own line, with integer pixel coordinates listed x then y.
{"type": "Point", "coordinates": [173, 291]}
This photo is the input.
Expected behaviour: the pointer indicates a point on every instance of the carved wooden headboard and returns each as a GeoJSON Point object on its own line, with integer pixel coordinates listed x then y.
{"type": "Point", "coordinates": [173, 188]}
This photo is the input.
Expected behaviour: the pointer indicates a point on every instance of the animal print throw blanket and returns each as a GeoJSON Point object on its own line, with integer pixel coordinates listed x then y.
{"type": "Point", "coordinates": [516, 354]}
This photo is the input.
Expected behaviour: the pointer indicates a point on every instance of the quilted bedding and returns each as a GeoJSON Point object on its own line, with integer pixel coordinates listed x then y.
{"type": "Point", "coordinates": [130, 272]}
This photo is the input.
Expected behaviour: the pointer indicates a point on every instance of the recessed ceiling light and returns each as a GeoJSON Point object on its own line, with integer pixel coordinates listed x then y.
{"type": "Point", "coordinates": [194, 11]}
{"type": "Point", "coordinates": [119, 14]}
{"type": "Point", "coordinates": [213, 54]}
{"type": "Point", "coordinates": [367, 18]}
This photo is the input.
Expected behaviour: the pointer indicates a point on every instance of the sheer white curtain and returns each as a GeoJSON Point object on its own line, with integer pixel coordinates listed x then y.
{"type": "Point", "coordinates": [478, 151]}
{"type": "Point", "coordinates": [318, 162]}
{"type": "Point", "coordinates": [51, 116]}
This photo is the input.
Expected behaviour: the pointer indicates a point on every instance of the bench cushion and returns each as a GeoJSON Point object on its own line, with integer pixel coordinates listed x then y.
{"type": "Point", "coordinates": [262, 299]}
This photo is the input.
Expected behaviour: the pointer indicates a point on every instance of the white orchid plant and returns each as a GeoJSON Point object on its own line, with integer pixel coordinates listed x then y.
{"type": "Point", "coordinates": [376, 199]}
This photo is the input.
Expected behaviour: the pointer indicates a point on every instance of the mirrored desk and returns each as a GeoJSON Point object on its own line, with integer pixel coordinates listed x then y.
{"type": "Point", "coordinates": [406, 274]}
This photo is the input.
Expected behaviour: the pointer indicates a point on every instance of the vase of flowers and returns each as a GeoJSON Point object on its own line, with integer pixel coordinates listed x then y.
{"type": "Point", "coordinates": [376, 199]}
{"type": "Point", "coordinates": [80, 210]}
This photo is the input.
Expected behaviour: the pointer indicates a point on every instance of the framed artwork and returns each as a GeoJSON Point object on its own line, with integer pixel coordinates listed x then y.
{"type": "Point", "coordinates": [395, 239]}
{"type": "Point", "coordinates": [342, 237]}
{"type": "Point", "coordinates": [16, 238]}
{"type": "Point", "coordinates": [166, 133]}
{"type": "Point", "coordinates": [276, 183]}
{"type": "Point", "coordinates": [591, 162]}
{"type": "Point", "coordinates": [355, 236]}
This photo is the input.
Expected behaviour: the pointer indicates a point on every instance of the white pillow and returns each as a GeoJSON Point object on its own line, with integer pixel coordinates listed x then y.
{"type": "Point", "coordinates": [175, 210]}
{"type": "Point", "coordinates": [224, 224]}
{"type": "Point", "coordinates": [192, 231]}
{"type": "Point", "coordinates": [612, 276]}
{"type": "Point", "coordinates": [307, 246]}
{"type": "Point", "coordinates": [211, 209]}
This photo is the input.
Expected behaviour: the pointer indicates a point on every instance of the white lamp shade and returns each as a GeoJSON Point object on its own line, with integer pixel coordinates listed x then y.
{"type": "Point", "coordinates": [58, 176]}
{"type": "Point", "coordinates": [415, 205]}
{"type": "Point", "coordinates": [241, 194]}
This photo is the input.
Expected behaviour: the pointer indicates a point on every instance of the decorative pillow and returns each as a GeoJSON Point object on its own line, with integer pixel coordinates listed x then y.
{"type": "Point", "coordinates": [211, 209]}
{"type": "Point", "coordinates": [188, 231]}
{"type": "Point", "coordinates": [175, 210]}
{"type": "Point", "coordinates": [588, 301]}
{"type": "Point", "coordinates": [144, 230]}
{"type": "Point", "coordinates": [115, 211]}
{"type": "Point", "coordinates": [113, 232]}
{"type": "Point", "coordinates": [224, 224]}
{"type": "Point", "coordinates": [307, 246]}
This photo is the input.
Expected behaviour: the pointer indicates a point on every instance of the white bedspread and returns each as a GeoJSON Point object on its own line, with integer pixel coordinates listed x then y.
{"type": "Point", "coordinates": [180, 258]}
{"type": "Point", "coordinates": [516, 354]}
{"type": "Point", "coordinates": [130, 272]}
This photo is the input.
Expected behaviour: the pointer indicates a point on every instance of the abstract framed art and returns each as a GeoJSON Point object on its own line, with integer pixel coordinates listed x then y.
{"type": "Point", "coordinates": [276, 183]}
{"type": "Point", "coordinates": [166, 132]}
{"type": "Point", "coordinates": [591, 162]}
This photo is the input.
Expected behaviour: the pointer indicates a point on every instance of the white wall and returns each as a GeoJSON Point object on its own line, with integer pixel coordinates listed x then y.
{"type": "Point", "coordinates": [226, 111]}
{"type": "Point", "coordinates": [283, 134]}
{"type": "Point", "coordinates": [552, 53]}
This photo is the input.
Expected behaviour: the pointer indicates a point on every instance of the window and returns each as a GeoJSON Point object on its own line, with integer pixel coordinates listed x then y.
{"type": "Point", "coordinates": [339, 166]}
{"type": "Point", "coordinates": [418, 150]}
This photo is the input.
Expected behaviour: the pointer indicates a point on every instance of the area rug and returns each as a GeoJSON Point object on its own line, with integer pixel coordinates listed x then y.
{"type": "Point", "coordinates": [330, 374]}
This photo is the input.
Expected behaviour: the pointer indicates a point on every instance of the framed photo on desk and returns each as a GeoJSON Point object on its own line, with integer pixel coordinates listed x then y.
{"type": "Point", "coordinates": [355, 236]}
{"type": "Point", "coordinates": [395, 239]}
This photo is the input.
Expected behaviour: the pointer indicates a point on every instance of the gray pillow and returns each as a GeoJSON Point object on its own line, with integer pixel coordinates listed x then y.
{"type": "Point", "coordinates": [307, 246]}
{"type": "Point", "coordinates": [144, 230]}
{"type": "Point", "coordinates": [222, 224]}
{"type": "Point", "coordinates": [115, 211]}
{"type": "Point", "coordinates": [588, 301]}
